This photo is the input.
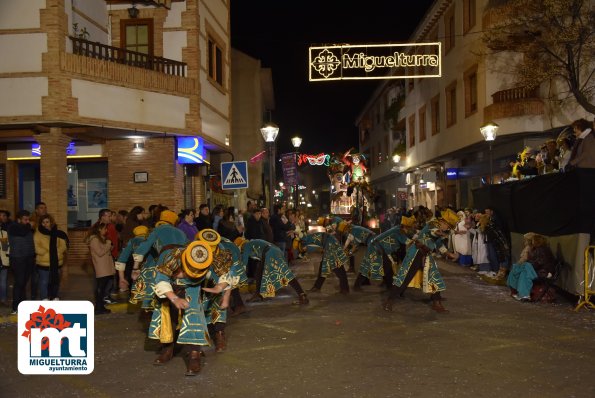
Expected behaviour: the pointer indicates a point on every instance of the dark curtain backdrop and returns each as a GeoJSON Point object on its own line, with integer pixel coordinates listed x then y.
{"type": "Point", "coordinates": [553, 204]}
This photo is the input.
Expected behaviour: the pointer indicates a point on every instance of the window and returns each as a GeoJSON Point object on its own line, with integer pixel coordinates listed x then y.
{"type": "Point", "coordinates": [215, 61]}
{"type": "Point", "coordinates": [468, 15]}
{"type": "Point", "coordinates": [451, 104]}
{"type": "Point", "coordinates": [435, 110]}
{"type": "Point", "coordinates": [386, 147]}
{"type": "Point", "coordinates": [471, 91]}
{"type": "Point", "coordinates": [137, 35]}
{"type": "Point", "coordinates": [2, 181]}
{"type": "Point", "coordinates": [449, 31]}
{"type": "Point", "coordinates": [422, 124]}
{"type": "Point", "coordinates": [379, 153]}
{"type": "Point", "coordinates": [411, 123]}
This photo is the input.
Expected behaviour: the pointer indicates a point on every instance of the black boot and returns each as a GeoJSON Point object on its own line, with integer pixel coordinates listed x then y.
{"type": "Point", "coordinates": [318, 284]}
{"type": "Point", "coordinates": [359, 281]}
{"type": "Point", "coordinates": [343, 282]}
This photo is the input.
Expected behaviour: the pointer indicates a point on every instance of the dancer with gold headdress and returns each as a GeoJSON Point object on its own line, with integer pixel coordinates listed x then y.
{"type": "Point", "coordinates": [333, 259]}
{"type": "Point", "coordinates": [180, 274]}
{"type": "Point", "coordinates": [226, 274]}
{"type": "Point", "coordinates": [142, 278]}
{"type": "Point", "coordinates": [272, 272]}
{"type": "Point", "coordinates": [419, 268]}
{"type": "Point", "coordinates": [379, 260]}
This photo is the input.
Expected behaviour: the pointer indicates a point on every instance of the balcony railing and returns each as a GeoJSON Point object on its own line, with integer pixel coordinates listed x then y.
{"type": "Point", "coordinates": [513, 94]}
{"type": "Point", "coordinates": [132, 58]}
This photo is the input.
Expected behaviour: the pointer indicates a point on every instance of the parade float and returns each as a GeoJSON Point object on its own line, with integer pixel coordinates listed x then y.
{"type": "Point", "coordinates": [351, 196]}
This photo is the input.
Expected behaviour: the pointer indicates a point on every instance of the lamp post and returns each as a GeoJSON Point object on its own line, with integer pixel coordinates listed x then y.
{"type": "Point", "coordinates": [489, 132]}
{"type": "Point", "coordinates": [296, 142]}
{"type": "Point", "coordinates": [269, 133]}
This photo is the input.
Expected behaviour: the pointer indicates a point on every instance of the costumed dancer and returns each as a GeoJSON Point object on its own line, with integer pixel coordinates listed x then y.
{"type": "Point", "coordinates": [353, 236]}
{"type": "Point", "coordinates": [142, 289]}
{"type": "Point", "coordinates": [377, 263]}
{"type": "Point", "coordinates": [163, 239]}
{"type": "Point", "coordinates": [180, 275]}
{"type": "Point", "coordinates": [226, 274]}
{"type": "Point", "coordinates": [420, 264]}
{"type": "Point", "coordinates": [333, 259]}
{"type": "Point", "coordinates": [272, 272]}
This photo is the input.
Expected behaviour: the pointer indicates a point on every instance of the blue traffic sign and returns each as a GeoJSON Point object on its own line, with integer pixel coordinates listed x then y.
{"type": "Point", "coordinates": [234, 175]}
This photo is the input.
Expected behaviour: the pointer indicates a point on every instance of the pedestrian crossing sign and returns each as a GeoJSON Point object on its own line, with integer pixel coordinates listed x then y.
{"type": "Point", "coordinates": [234, 175]}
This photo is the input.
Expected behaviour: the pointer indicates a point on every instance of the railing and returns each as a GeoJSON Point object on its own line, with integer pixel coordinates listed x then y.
{"type": "Point", "coordinates": [514, 94]}
{"type": "Point", "coordinates": [122, 56]}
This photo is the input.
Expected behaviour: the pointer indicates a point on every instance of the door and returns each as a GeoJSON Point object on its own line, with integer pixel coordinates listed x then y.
{"type": "Point", "coordinates": [29, 186]}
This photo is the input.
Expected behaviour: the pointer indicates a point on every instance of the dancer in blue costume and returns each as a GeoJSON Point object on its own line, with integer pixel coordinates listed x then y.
{"type": "Point", "coordinates": [352, 236]}
{"type": "Point", "coordinates": [163, 238]}
{"type": "Point", "coordinates": [377, 263]}
{"type": "Point", "coordinates": [143, 277]}
{"type": "Point", "coordinates": [272, 272]}
{"type": "Point", "coordinates": [420, 264]}
{"type": "Point", "coordinates": [180, 274]}
{"type": "Point", "coordinates": [226, 274]}
{"type": "Point", "coordinates": [333, 259]}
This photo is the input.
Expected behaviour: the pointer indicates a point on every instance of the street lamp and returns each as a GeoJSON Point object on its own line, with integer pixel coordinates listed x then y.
{"type": "Point", "coordinates": [489, 132]}
{"type": "Point", "coordinates": [296, 142]}
{"type": "Point", "coordinates": [269, 133]}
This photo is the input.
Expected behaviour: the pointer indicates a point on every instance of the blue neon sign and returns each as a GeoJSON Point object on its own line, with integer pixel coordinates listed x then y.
{"type": "Point", "coordinates": [191, 150]}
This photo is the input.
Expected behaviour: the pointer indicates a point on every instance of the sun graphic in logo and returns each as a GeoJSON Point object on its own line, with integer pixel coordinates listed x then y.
{"type": "Point", "coordinates": [326, 63]}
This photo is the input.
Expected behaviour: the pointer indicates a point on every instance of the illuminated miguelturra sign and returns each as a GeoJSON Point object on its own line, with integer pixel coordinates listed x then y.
{"type": "Point", "coordinates": [375, 61]}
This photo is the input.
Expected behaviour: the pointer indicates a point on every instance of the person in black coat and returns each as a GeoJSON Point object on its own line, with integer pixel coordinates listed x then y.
{"type": "Point", "coordinates": [22, 256]}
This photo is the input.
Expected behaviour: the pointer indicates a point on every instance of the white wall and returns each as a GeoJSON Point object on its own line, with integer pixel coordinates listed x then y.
{"type": "Point", "coordinates": [108, 102]}
{"type": "Point", "coordinates": [19, 14]}
{"type": "Point", "coordinates": [215, 124]}
{"type": "Point", "coordinates": [28, 60]}
{"type": "Point", "coordinates": [22, 96]}
{"type": "Point", "coordinates": [173, 43]}
{"type": "Point", "coordinates": [174, 15]}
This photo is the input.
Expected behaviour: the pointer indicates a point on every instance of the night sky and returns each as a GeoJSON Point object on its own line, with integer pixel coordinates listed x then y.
{"type": "Point", "coordinates": [279, 33]}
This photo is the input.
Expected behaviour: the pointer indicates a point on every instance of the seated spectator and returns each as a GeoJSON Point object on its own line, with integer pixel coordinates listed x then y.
{"type": "Point", "coordinates": [536, 260]}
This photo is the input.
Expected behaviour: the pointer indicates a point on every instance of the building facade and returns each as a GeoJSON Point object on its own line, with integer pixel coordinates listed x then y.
{"type": "Point", "coordinates": [445, 154]}
{"type": "Point", "coordinates": [97, 97]}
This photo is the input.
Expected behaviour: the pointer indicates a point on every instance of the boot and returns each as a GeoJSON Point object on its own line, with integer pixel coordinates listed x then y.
{"type": "Point", "coordinates": [302, 300]}
{"type": "Point", "coordinates": [357, 285]}
{"type": "Point", "coordinates": [193, 367]}
{"type": "Point", "coordinates": [318, 284]}
{"type": "Point", "coordinates": [240, 309]}
{"type": "Point", "coordinates": [343, 282]}
{"type": "Point", "coordinates": [437, 306]}
{"type": "Point", "coordinates": [256, 297]}
{"type": "Point", "coordinates": [220, 344]}
{"type": "Point", "coordinates": [167, 352]}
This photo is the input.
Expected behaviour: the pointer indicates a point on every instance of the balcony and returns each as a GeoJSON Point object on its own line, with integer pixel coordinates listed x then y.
{"type": "Point", "coordinates": [127, 57]}
{"type": "Point", "coordinates": [519, 101]}
{"type": "Point", "coordinates": [108, 64]}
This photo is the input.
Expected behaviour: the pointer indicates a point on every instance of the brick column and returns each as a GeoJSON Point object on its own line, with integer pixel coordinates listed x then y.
{"type": "Point", "coordinates": [53, 174]}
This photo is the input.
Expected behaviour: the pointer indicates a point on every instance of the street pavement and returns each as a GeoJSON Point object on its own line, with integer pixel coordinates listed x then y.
{"type": "Point", "coordinates": [489, 345]}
